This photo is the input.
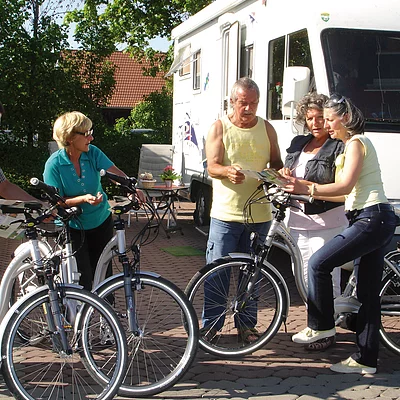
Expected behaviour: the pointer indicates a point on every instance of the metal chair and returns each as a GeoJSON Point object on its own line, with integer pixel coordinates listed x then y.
{"type": "Point", "coordinates": [153, 158]}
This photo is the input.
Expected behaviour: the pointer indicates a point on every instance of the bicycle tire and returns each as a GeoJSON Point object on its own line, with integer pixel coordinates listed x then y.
{"type": "Point", "coordinates": [390, 313]}
{"type": "Point", "coordinates": [272, 302]}
{"type": "Point", "coordinates": [37, 369]}
{"type": "Point", "coordinates": [168, 333]}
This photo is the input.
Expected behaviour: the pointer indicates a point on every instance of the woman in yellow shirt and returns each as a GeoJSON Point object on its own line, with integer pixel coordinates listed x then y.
{"type": "Point", "coordinates": [371, 226]}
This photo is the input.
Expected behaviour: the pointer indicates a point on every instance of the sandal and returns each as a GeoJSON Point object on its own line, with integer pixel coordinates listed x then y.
{"type": "Point", "coordinates": [249, 335]}
{"type": "Point", "coordinates": [208, 334]}
{"type": "Point", "coordinates": [321, 344]}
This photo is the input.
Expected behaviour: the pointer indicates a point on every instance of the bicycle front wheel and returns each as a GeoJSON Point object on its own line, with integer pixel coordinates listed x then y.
{"type": "Point", "coordinates": [390, 313]}
{"type": "Point", "coordinates": [164, 345]}
{"type": "Point", "coordinates": [40, 368]}
{"type": "Point", "coordinates": [229, 322]}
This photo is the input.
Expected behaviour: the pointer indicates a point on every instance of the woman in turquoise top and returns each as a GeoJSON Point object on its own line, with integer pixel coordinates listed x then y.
{"type": "Point", "coordinates": [371, 226]}
{"type": "Point", "coordinates": [75, 170]}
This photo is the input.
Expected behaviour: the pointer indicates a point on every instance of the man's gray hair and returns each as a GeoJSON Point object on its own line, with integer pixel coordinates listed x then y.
{"type": "Point", "coordinates": [244, 84]}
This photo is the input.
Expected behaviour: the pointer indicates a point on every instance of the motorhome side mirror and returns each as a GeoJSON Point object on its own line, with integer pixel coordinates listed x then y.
{"type": "Point", "coordinates": [296, 81]}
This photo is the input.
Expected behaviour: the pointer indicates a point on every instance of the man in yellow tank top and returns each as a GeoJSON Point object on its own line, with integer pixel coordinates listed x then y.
{"type": "Point", "coordinates": [240, 140]}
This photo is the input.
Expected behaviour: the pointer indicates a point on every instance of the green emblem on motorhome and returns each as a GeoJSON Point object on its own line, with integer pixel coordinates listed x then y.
{"type": "Point", "coordinates": [325, 17]}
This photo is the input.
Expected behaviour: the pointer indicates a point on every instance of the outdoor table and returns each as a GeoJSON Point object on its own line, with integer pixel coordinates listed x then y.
{"type": "Point", "coordinates": [162, 200]}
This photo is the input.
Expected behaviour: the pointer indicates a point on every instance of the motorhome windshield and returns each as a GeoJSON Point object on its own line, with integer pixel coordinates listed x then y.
{"type": "Point", "coordinates": [364, 65]}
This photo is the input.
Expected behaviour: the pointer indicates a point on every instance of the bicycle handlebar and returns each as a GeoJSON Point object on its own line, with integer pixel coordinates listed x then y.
{"type": "Point", "coordinates": [276, 194]}
{"type": "Point", "coordinates": [304, 198]}
{"type": "Point", "coordinates": [55, 198]}
{"type": "Point", "coordinates": [127, 182]}
{"type": "Point", "coordinates": [50, 191]}
{"type": "Point", "coordinates": [15, 209]}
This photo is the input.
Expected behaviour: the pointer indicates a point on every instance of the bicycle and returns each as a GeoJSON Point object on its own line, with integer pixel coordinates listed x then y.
{"type": "Point", "coordinates": [159, 321]}
{"type": "Point", "coordinates": [53, 338]}
{"type": "Point", "coordinates": [256, 286]}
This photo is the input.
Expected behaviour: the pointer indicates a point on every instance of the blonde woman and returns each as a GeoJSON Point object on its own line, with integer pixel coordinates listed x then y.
{"type": "Point", "coordinates": [75, 170]}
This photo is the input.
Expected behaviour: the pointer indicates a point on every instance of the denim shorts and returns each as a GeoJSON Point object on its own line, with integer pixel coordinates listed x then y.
{"type": "Point", "coordinates": [229, 237]}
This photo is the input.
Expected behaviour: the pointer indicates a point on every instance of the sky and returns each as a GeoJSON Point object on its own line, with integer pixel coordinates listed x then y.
{"type": "Point", "coordinates": [160, 44]}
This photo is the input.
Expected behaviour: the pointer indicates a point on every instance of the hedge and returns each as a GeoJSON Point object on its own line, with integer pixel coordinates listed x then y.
{"type": "Point", "coordinates": [20, 162]}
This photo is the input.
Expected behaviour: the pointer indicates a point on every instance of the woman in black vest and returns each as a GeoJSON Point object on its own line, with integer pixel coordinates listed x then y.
{"type": "Point", "coordinates": [312, 157]}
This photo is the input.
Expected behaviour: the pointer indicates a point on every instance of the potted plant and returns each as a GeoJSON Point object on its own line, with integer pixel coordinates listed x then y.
{"type": "Point", "coordinates": [169, 175]}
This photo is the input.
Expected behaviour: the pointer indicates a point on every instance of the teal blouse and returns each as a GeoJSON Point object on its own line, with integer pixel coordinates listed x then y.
{"type": "Point", "coordinates": [60, 172]}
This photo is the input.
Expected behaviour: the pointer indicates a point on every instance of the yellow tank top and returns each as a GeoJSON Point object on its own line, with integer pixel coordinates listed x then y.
{"type": "Point", "coordinates": [249, 148]}
{"type": "Point", "coordinates": [368, 190]}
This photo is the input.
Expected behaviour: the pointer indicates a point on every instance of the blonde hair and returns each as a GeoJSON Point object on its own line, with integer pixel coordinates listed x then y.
{"type": "Point", "coordinates": [67, 124]}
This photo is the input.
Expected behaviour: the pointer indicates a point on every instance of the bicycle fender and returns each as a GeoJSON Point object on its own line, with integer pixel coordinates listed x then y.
{"type": "Point", "coordinates": [121, 275]}
{"type": "Point", "coordinates": [268, 266]}
{"type": "Point", "coordinates": [15, 268]}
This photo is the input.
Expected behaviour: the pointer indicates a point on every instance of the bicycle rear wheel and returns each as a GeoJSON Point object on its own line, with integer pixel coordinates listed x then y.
{"type": "Point", "coordinates": [162, 350]}
{"type": "Point", "coordinates": [390, 313]}
{"type": "Point", "coordinates": [265, 311]}
{"type": "Point", "coordinates": [38, 368]}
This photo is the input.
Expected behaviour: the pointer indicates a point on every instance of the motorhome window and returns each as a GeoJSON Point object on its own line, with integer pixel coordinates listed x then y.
{"type": "Point", "coordinates": [196, 70]}
{"type": "Point", "coordinates": [299, 53]}
{"type": "Point", "coordinates": [276, 62]}
{"type": "Point", "coordinates": [296, 48]}
{"type": "Point", "coordinates": [364, 65]}
{"type": "Point", "coordinates": [185, 69]}
{"type": "Point", "coordinates": [246, 61]}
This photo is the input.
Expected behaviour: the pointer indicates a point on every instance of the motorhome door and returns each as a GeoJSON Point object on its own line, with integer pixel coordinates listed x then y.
{"type": "Point", "coordinates": [230, 62]}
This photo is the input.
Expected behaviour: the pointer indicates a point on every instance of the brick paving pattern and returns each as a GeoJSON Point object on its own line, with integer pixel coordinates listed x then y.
{"type": "Point", "coordinates": [281, 370]}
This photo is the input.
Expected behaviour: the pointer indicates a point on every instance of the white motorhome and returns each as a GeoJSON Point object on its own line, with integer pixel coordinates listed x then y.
{"type": "Point", "coordinates": [348, 47]}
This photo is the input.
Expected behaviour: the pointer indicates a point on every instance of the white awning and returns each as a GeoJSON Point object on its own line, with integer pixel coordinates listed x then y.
{"type": "Point", "coordinates": [182, 59]}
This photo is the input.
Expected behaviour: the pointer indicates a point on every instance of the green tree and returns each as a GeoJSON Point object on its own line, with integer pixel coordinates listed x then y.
{"type": "Point", "coordinates": [40, 78]}
{"type": "Point", "coordinates": [135, 23]}
{"type": "Point", "coordinates": [155, 112]}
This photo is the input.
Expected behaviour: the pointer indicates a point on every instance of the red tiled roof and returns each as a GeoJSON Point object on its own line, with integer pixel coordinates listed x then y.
{"type": "Point", "coordinates": [131, 84]}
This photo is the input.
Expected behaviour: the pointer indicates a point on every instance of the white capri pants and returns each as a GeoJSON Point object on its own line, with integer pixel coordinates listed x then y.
{"type": "Point", "coordinates": [311, 241]}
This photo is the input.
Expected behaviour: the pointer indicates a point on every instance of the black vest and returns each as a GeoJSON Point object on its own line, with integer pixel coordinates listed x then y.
{"type": "Point", "coordinates": [320, 169]}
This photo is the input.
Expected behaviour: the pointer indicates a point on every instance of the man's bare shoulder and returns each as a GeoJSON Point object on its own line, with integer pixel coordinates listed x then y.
{"type": "Point", "coordinates": [216, 130]}
{"type": "Point", "coordinates": [268, 125]}
{"type": "Point", "coordinates": [217, 124]}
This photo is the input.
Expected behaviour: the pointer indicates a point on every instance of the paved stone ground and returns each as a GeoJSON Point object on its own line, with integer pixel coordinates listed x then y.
{"type": "Point", "coordinates": [282, 370]}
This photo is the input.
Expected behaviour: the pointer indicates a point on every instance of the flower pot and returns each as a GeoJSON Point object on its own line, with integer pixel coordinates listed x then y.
{"type": "Point", "coordinates": [168, 183]}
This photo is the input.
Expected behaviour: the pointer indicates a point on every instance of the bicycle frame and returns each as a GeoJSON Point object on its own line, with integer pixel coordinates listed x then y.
{"type": "Point", "coordinates": [289, 246]}
{"type": "Point", "coordinates": [269, 267]}
{"type": "Point", "coordinates": [106, 256]}
{"type": "Point", "coordinates": [278, 230]}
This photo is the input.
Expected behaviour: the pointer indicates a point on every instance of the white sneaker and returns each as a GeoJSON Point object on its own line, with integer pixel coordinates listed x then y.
{"type": "Point", "coordinates": [309, 335]}
{"type": "Point", "coordinates": [350, 366]}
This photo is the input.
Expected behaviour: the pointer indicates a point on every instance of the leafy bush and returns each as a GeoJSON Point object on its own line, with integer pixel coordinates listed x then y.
{"type": "Point", "coordinates": [121, 144]}
{"type": "Point", "coordinates": [21, 162]}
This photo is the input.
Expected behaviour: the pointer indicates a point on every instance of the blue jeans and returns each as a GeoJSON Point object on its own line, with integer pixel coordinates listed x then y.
{"type": "Point", "coordinates": [370, 230]}
{"type": "Point", "coordinates": [225, 238]}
